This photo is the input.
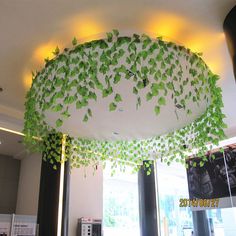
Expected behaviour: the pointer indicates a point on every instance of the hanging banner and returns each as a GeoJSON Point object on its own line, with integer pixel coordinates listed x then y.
{"type": "Point", "coordinates": [24, 225]}
{"type": "Point", "coordinates": [5, 228]}
{"type": "Point", "coordinates": [5, 224]}
{"type": "Point", "coordinates": [212, 185]}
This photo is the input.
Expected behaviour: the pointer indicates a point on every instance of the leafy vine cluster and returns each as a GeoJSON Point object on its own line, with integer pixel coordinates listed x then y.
{"type": "Point", "coordinates": [92, 70]}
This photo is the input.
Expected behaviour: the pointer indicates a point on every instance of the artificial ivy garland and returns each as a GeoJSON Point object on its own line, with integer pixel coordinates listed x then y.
{"type": "Point", "coordinates": [76, 76]}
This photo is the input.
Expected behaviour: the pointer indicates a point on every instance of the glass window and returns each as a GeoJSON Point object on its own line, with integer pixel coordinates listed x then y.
{"type": "Point", "coordinates": [178, 221]}
{"type": "Point", "coordinates": [120, 203]}
{"type": "Point", "coordinates": [222, 221]}
{"type": "Point", "coordinates": [172, 186]}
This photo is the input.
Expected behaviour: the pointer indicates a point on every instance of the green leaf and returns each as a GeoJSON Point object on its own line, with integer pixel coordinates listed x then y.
{"type": "Point", "coordinates": [189, 112]}
{"type": "Point", "coordinates": [58, 82]}
{"type": "Point", "coordinates": [149, 96]}
{"type": "Point", "coordinates": [115, 32]}
{"type": "Point", "coordinates": [201, 163]}
{"type": "Point", "coordinates": [57, 108]}
{"type": "Point", "coordinates": [66, 114]}
{"type": "Point", "coordinates": [138, 104]}
{"type": "Point", "coordinates": [69, 99]}
{"type": "Point", "coordinates": [46, 60]}
{"type": "Point", "coordinates": [98, 85]}
{"type": "Point", "coordinates": [79, 105]}
{"type": "Point", "coordinates": [121, 53]}
{"type": "Point", "coordinates": [157, 110]}
{"type": "Point", "coordinates": [194, 164]}
{"type": "Point", "coordinates": [159, 57]}
{"type": "Point", "coordinates": [109, 37]}
{"type": "Point", "coordinates": [154, 89]}
{"type": "Point", "coordinates": [121, 69]}
{"type": "Point", "coordinates": [90, 112]}
{"type": "Point", "coordinates": [152, 62]}
{"type": "Point", "coordinates": [144, 54]}
{"type": "Point", "coordinates": [85, 118]}
{"type": "Point", "coordinates": [91, 85]}
{"type": "Point", "coordinates": [61, 70]}
{"type": "Point", "coordinates": [59, 123]}
{"type": "Point", "coordinates": [140, 85]}
{"type": "Point", "coordinates": [114, 61]}
{"type": "Point", "coordinates": [132, 47]}
{"type": "Point", "coordinates": [107, 92]}
{"type": "Point", "coordinates": [117, 78]}
{"type": "Point", "coordinates": [170, 85]}
{"type": "Point", "coordinates": [162, 101]}
{"type": "Point", "coordinates": [92, 96]}
{"type": "Point", "coordinates": [135, 91]}
{"type": "Point", "coordinates": [144, 70]}
{"type": "Point", "coordinates": [56, 51]}
{"type": "Point", "coordinates": [118, 98]}
{"type": "Point", "coordinates": [102, 44]}
{"type": "Point", "coordinates": [84, 102]}
{"type": "Point", "coordinates": [133, 68]}
{"type": "Point", "coordinates": [161, 86]}
{"type": "Point", "coordinates": [112, 106]}
{"type": "Point", "coordinates": [74, 41]}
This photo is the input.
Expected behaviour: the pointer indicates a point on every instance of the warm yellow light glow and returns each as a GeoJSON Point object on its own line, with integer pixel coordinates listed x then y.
{"type": "Point", "coordinates": [44, 51]}
{"type": "Point", "coordinates": [195, 44]}
{"type": "Point", "coordinates": [27, 79]}
{"type": "Point", "coordinates": [166, 25]}
{"type": "Point", "coordinates": [85, 28]}
{"type": "Point", "coordinates": [190, 34]}
{"type": "Point", "coordinates": [215, 65]}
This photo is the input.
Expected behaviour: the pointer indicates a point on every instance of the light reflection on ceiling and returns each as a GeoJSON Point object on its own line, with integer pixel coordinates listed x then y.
{"type": "Point", "coordinates": [44, 51]}
{"type": "Point", "coordinates": [85, 27]}
{"type": "Point", "coordinates": [170, 26]}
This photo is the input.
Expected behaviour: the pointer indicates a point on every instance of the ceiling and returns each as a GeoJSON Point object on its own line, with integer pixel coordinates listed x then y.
{"type": "Point", "coordinates": [30, 30]}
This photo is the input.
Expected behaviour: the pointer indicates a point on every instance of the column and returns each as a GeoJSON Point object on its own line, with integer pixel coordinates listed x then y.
{"type": "Point", "coordinates": [200, 223]}
{"type": "Point", "coordinates": [54, 189]}
{"type": "Point", "coordinates": [147, 202]}
{"type": "Point", "coordinates": [230, 33]}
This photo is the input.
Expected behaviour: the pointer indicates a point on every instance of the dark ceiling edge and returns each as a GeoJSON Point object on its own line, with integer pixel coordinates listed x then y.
{"type": "Point", "coordinates": [229, 27]}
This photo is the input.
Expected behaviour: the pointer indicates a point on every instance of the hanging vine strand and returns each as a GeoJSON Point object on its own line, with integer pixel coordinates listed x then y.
{"type": "Point", "coordinates": [80, 75]}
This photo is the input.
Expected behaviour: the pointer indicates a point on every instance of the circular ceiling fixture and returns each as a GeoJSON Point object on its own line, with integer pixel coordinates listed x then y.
{"type": "Point", "coordinates": [126, 99]}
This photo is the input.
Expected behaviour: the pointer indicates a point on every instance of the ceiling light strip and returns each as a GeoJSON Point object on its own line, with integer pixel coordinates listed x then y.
{"type": "Point", "coordinates": [11, 131]}
{"type": "Point", "coordinates": [61, 188]}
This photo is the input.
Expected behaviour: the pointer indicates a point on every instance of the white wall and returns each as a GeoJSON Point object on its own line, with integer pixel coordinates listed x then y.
{"type": "Point", "coordinates": [9, 178]}
{"type": "Point", "coordinates": [86, 196]}
{"type": "Point", "coordinates": [86, 193]}
{"type": "Point", "coordinates": [28, 188]}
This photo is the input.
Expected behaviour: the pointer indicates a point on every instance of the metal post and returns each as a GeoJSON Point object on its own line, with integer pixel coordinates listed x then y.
{"type": "Point", "coordinates": [200, 223]}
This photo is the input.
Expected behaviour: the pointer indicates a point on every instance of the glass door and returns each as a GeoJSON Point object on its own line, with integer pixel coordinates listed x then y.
{"type": "Point", "coordinates": [172, 187]}
{"type": "Point", "coordinates": [177, 220]}
{"type": "Point", "coordinates": [120, 203]}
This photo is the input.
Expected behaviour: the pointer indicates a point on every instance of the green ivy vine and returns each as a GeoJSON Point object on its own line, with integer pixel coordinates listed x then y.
{"type": "Point", "coordinates": [79, 75]}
